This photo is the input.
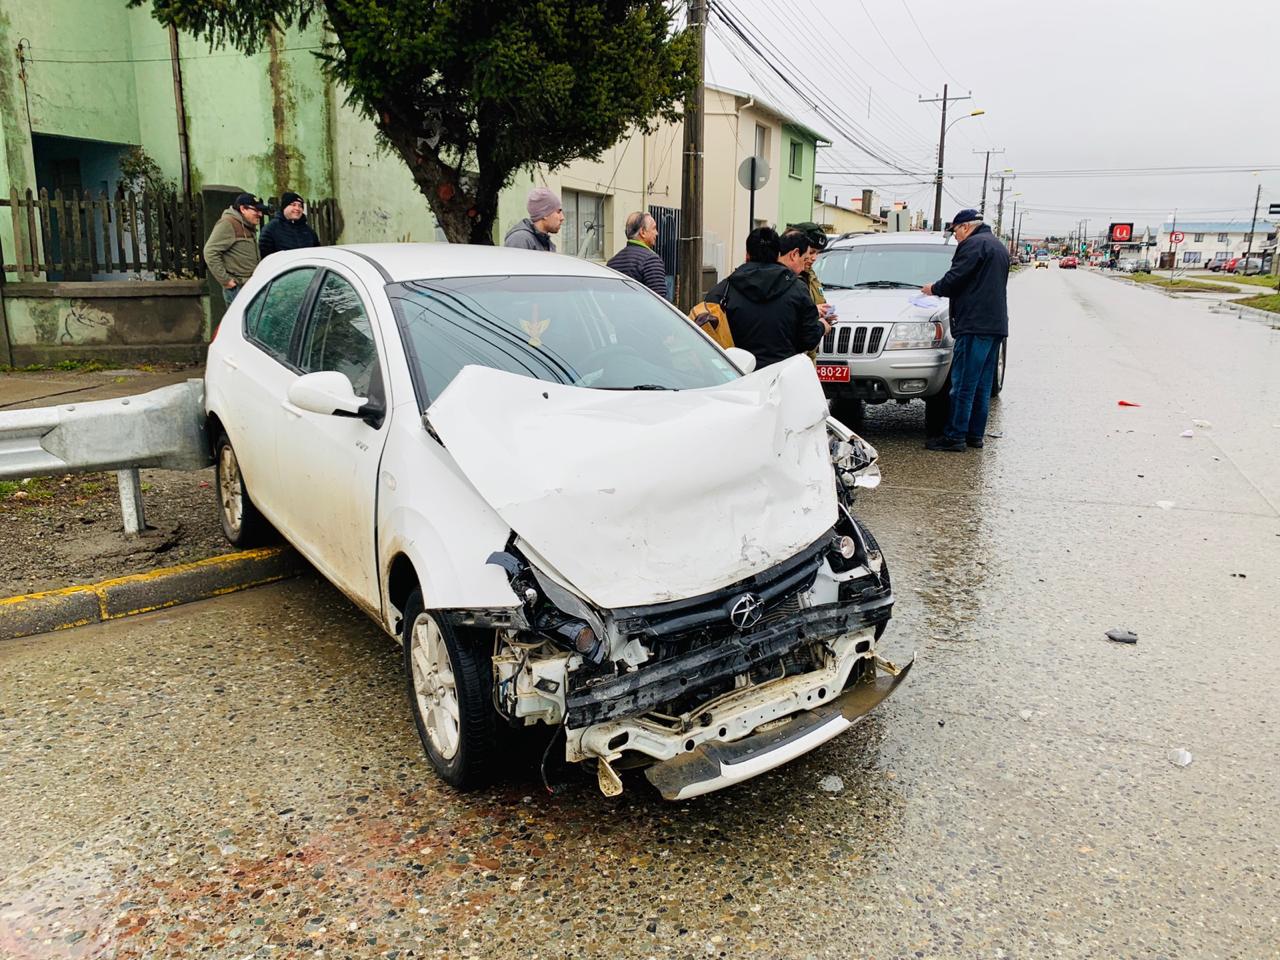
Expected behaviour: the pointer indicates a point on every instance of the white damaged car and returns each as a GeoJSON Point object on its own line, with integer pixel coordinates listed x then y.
{"type": "Point", "coordinates": [569, 505]}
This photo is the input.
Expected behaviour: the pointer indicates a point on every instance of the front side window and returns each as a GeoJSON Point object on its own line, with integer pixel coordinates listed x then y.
{"type": "Point", "coordinates": [340, 336]}
{"type": "Point", "coordinates": [584, 331]}
{"type": "Point", "coordinates": [271, 325]}
{"type": "Point", "coordinates": [583, 232]}
{"type": "Point", "coordinates": [884, 265]}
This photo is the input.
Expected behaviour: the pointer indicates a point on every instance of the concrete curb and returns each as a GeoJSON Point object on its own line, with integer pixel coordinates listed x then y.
{"type": "Point", "coordinates": [68, 607]}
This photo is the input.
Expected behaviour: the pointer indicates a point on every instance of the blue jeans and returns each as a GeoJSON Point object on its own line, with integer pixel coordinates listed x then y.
{"type": "Point", "coordinates": [229, 294]}
{"type": "Point", "coordinates": [973, 368]}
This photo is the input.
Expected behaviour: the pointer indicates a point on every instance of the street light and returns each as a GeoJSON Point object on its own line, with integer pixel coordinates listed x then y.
{"type": "Point", "coordinates": [942, 143]}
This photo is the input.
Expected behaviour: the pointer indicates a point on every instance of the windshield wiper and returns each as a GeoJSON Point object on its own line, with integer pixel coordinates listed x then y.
{"type": "Point", "coordinates": [888, 284]}
{"type": "Point", "coordinates": [640, 386]}
{"type": "Point", "coordinates": [836, 286]}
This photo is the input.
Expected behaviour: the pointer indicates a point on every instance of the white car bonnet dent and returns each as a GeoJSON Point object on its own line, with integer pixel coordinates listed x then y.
{"type": "Point", "coordinates": [642, 497]}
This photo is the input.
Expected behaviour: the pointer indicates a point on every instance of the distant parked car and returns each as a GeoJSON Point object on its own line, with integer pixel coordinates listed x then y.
{"type": "Point", "coordinates": [1252, 265]}
{"type": "Point", "coordinates": [1068, 263]}
{"type": "Point", "coordinates": [1230, 265]}
{"type": "Point", "coordinates": [1042, 263]}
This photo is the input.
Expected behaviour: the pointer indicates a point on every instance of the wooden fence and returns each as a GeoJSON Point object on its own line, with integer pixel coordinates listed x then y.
{"type": "Point", "coordinates": [80, 235]}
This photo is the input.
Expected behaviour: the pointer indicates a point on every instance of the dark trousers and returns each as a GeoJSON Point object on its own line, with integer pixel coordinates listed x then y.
{"type": "Point", "coordinates": [973, 368]}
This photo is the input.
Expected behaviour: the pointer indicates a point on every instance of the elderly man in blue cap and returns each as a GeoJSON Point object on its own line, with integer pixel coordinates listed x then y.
{"type": "Point", "coordinates": [975, 284]}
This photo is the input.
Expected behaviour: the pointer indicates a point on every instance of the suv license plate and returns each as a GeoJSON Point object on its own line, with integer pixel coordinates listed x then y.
{"type": "Point", "coordinates": [833, 373]}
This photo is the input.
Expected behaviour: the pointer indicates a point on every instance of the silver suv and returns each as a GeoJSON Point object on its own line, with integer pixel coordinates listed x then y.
{"type": "Point", "coordinates": [882, 346]}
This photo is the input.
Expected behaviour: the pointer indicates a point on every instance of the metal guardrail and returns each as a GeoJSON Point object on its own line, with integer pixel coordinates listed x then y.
{"type": "Point", "coordinates": [163, 428]}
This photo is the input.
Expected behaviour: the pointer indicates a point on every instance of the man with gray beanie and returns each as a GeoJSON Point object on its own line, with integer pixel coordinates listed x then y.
{"type": "Point", "coordinates": [545, 218]}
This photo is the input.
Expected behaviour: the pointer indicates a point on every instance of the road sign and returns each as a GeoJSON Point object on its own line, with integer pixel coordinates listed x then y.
{"type": "Point", "coordinates": [1121, 232]}
{"type": "Point", "coordinates": [1177, 236]}
{"type": "Point", "coordinates": [1273, 210]}
{"type": "Point", "coordinates": [753, 177]}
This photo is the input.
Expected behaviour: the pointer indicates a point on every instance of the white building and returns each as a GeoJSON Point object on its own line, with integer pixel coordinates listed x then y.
{"type": "Point", "coordinates": [1209, 241]}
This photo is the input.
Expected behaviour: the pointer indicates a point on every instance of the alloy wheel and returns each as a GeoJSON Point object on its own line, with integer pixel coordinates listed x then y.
{"type": "Point", "coordinates": [230, 489]}
{"type": "Point", "coordinates": [434, 687]}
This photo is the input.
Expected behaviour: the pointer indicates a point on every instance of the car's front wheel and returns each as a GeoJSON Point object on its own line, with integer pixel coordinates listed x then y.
{"type": "Point", "coordinates": [242, 524]}
{"type": "Point", "coordinates": [997, 381]}
{"type": "Point", "coordinates": [449, 681]}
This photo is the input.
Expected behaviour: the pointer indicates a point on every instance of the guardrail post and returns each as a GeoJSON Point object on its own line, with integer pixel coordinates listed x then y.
{"type": "Point", "coordinates": [130, 483]}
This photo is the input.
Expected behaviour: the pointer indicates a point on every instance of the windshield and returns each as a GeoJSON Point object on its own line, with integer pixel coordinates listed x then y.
{"type": "Point", "coordinates": [884, 265]}
{"type": "Point", "coordinates": [582, 331]}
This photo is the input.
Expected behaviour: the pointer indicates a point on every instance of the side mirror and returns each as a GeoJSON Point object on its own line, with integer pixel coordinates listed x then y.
{"type": "Point", "coordinates": [744, 360]}
{"type": "Point", "coordinates": [327, 392]}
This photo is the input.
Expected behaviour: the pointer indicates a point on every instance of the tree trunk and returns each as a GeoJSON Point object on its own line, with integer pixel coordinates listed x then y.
{"type": "Point", "coordinates": [465, 211]}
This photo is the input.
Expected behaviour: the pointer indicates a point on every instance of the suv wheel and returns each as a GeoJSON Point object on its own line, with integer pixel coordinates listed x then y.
{"type": "Point", "coordinates": [242, 524]}
{"type": "Point", "coordinates": [997, 382]}
{"type": "Point", "coordinates": [936, 411]}
{"type": "Point", "coordinates": [449, 681]}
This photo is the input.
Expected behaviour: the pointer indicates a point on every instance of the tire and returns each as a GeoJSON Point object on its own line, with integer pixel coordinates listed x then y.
{"type": "Point", "coordinates": [449, 680]}
{"type": "Point", "coordinates": [936, 410]}
{"type": "Point", "coordinates": [851, 411]}
{"type": "Point", "coordinates": [242, 524]}
{"type": "Point", "coordinates": [997, 382]}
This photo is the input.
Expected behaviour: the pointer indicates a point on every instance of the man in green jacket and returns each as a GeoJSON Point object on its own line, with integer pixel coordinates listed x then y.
{"type": "Point", "coordinates": [231, 252]}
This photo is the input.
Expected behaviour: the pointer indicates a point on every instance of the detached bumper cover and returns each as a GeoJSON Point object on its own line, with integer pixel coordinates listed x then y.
{"type": "Point", "coordinates": [714, 765]}
{"type": "Point", "coordinates": [652, 685]}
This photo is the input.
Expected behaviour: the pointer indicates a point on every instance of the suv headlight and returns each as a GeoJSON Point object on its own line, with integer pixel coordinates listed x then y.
{"type": "Point", "coordinates": [914, 334]}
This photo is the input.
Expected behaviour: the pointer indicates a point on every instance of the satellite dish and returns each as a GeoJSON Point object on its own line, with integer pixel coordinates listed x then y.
{"type": "Point", "coordinates": [762, 173]}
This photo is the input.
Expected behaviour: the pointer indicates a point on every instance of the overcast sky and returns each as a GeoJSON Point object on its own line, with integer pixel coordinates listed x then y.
{"type": "Point", "coordinates": [1073, 86]}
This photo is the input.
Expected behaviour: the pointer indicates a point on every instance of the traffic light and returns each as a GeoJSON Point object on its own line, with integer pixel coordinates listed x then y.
{"type": "Point", "coordinates": [1084, 246]}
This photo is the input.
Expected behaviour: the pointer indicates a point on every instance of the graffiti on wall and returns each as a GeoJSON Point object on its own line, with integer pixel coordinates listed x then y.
{"type": "Point", "coordinates": [82, 323]}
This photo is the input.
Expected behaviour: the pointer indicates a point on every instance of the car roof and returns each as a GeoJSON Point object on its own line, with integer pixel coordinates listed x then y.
{"type": "Point", "coordinates": [888, 239]}
{"type": "Point", "coordinates": [427, 261]}
{"type": "Point", "coordinates": [398, 262]}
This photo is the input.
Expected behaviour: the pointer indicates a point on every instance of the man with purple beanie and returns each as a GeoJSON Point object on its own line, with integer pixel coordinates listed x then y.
{"type": "Point", "coordinates": [545, 218]}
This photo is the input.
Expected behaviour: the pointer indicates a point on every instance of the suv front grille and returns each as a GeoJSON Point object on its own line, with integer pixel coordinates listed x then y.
{"type": "Point", "coordinates": [853, 340]}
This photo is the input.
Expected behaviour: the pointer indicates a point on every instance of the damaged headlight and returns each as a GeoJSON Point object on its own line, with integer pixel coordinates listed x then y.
{"type": "Point", "coordinates": [855, 462]}
{"type": "Point", "coordinates": [553, 611]}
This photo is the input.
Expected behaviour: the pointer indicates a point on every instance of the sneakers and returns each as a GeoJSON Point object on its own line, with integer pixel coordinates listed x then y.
{"type": "Point", "coordinates": [975, 442]}
{"type": "Point", "coordinates": [943, 444]}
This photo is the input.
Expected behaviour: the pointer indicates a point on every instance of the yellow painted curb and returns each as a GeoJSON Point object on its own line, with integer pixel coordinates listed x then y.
{"type": "Point", "coordinates": [68, 607]}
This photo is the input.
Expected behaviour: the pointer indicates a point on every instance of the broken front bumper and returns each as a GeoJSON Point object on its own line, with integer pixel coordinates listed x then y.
{"type": "Point", "coordinates": [715, 765]}
{"type": "Point", "coordinates": [748, 728]}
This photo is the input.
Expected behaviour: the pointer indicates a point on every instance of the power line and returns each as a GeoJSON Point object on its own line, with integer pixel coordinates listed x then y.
{"type": "Point", "coordinates": [928, 46]}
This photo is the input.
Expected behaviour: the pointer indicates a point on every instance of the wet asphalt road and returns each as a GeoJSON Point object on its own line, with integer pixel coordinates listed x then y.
{"type": "Point", "coordinates": [240, 777]}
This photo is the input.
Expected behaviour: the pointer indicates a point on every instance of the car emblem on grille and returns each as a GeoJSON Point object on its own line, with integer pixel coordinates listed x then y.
{"type": "Point", "coordinates": [746, 611]}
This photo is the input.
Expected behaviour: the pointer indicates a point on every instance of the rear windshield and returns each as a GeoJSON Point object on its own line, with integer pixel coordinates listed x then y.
{"type": "Point", "coordinates": [883, 264]}
{"type": "Point", "coordinates": [581, 331]}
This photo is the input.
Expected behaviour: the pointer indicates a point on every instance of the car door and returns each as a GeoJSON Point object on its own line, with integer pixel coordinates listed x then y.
{"type": "Point", "coordinates": [329, 463]}
{"type": "Point", "coordinates": [257, 372]}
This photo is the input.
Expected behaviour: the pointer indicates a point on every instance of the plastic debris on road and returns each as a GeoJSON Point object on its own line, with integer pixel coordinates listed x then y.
{"type": "Point", "coordinates": [1180, 757]}
{"type": "Point", "coordinates": [831, 784]}
{"type": "Point", "coordinates": [1187, 433]}
{"type": "Point", "coordinates": [1025, 715]}
{"type": "Point", "coordinates": [1164, 504]}
{"type": "Point", "coordinates": [1127, 403]}
{"type": "Point", "coordinates": [1202, 424]}
{"type": "Point", "coordinates": [1122, 636]}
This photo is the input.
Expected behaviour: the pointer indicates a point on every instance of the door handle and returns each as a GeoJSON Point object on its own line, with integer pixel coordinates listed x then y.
{"type": "Point", "coordinates": [289, 408]}
{"type": "Point", "coordinates": [230, 362]}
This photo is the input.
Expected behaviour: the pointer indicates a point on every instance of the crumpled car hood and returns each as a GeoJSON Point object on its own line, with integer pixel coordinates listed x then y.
{"type": "Point", "coordinates": [644, 497]}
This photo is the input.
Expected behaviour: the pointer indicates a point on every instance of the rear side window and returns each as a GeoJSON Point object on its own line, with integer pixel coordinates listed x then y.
{"type": "Point", "coordinates": [339, 336]}
{"type": "Point", "coordinates": [271, 324]}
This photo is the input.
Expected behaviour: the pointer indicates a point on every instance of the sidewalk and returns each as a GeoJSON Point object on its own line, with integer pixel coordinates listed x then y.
{"type": "Point", "coordinates": [66, 532]}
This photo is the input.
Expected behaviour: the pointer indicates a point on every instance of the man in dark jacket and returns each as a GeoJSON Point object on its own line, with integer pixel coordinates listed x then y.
{"type": "Point", "coordinates": [546, 216]}
{"type": "Point", "coordinates": [638, 259]}
{"type": "Point", "coordinates": [288, 229]}
{"type": "Point", "coordinates": [975, 285]}
{"type": "Point", "coordinates": [770, 311]}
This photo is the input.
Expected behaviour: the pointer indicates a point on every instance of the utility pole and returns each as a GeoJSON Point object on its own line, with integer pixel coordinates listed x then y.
{"type": "Point", "coordinates": [1013, 220]}
{"type": "Point", "coordinates": [986, 166]}
{"type": "Point", "coordinates": [1000, 208]}
{"type": "Point", "coordinates": [942, 143]}
{"type": "Point", "coordinates": [689, 283]}
{"type": "Point", "coordinates": [1248, 246]}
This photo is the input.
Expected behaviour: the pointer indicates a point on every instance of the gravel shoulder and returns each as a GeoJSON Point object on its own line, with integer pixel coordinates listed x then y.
{"type": "Point", "coordinates": [67, 531]}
